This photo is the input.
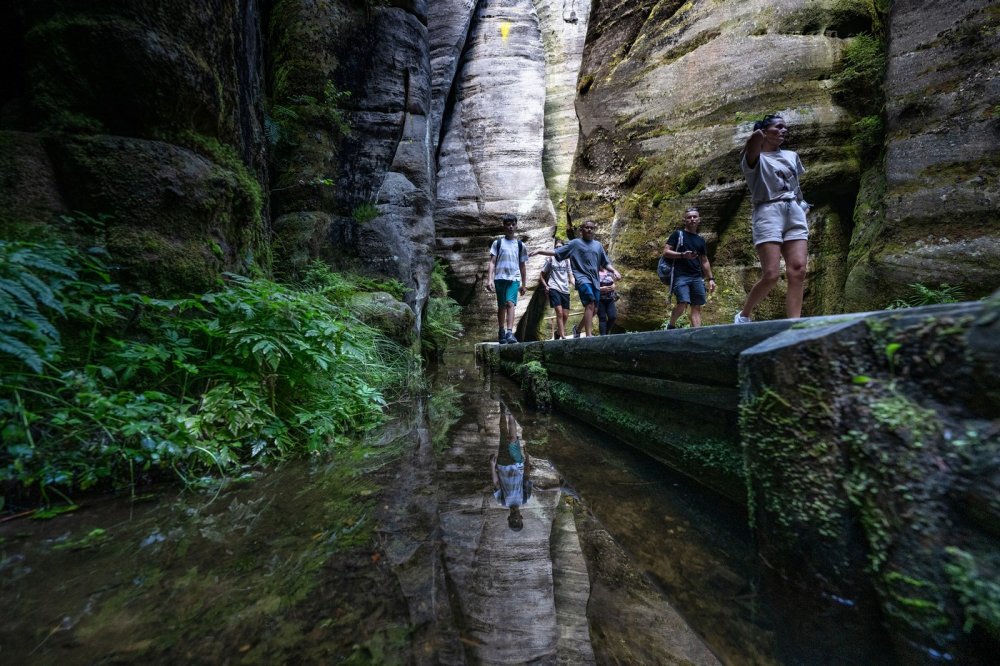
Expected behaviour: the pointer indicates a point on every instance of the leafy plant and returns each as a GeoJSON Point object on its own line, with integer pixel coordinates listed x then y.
{"type": "Point", "coordinates": [441, 322]}
{"type": "Point", "coordinates": [133, 386]}
{"type": "Point", "coordinates": [921, 294]}
{"type": "Point", "coordinates": [364, 213]}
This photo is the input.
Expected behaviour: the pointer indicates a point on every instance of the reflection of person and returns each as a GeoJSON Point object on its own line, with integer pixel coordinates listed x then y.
{"type": "Point", "coordinates": [510, 469]}
{"type": "Point", "coordinates": [689, 253]}
{"type": "Point", "coordinates": [556, 279]}
{"type": "Point", "coordinates": [507, 277]}
{"type": "Point", "coordinates": [607, 311]}
{"type": "Point", "coordinates": [779, 215]}
{"type": "Point", "coordinates": [587, 257]}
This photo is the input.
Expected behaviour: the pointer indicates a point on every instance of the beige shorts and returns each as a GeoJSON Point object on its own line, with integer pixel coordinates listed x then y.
{"type": "Point", "coordinates": [779, 221]}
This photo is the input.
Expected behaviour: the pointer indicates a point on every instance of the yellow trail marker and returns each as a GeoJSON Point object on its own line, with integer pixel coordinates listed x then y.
{"type": "Point", "coordinates": [505, 30]}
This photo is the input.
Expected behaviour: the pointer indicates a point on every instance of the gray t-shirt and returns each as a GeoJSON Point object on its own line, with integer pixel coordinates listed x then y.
{"type": "Point", "coordinates": [585, 258]}
{"type": "Point", "coordinates": [557, 275]}
{"type": "Point", "coordinates": [775, 177]}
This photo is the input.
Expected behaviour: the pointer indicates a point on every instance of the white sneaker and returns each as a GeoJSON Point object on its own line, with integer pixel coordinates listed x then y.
{"type": "Point", "coordinates": [740, 319]}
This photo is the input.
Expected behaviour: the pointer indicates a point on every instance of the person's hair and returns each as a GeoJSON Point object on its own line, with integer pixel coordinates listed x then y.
{"type": "Point", "coordinates": [691, 208]}
{"type": "Point", "coordinates": [508, 217]}
{"type": "Point", "coordinates": [559, 242]}
{"type": "Point", "coordinates": [766, 121]}
{"type": "Point", "coordinates": [514, 519]}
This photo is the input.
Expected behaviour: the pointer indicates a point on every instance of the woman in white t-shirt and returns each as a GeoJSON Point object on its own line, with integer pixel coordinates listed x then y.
{"type": "Point", "coordinates": [779, 222]}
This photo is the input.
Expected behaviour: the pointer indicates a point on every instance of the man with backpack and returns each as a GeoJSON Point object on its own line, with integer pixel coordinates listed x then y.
{"type": "Point", "coordinates": [506, 277]}
{"type": "Point", "coordinates": [687, 252]}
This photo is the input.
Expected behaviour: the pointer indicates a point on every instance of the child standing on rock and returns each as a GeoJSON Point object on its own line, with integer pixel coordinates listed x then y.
{"type": "Point", "coordinates": [507, 277]}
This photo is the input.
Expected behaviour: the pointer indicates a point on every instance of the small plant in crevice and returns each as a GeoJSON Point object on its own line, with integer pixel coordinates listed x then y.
{"type": "Point", "coordinates": [104, 387]}
{"type": "Point", "coordinates": [364, 213]}
{"type": "Point", "coordinates": [921, 294]}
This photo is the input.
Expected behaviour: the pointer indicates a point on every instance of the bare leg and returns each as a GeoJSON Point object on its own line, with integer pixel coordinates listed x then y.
{"type": "Point", "coordinates": [501, 317]}
{"type": "Point", "coordinates": [565, 320]}
{"type": "Point", "coordinates": [510, 316]}
{"type": "Point", "coordinates": [795, 254]}
{"type": "Point", "coordinates": [560, 321]}
{"type": "Point", "coordinates": [770, 263]}
{"type": "Point", "coordinates": [676, 313]}
{"type": "Point", "coordinates": [588, 319]}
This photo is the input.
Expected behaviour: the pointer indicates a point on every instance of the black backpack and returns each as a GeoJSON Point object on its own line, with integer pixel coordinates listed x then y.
{"type": "Point", "coordinates": [520, 247]}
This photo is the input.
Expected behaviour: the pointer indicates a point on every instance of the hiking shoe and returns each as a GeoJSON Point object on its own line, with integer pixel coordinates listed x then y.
{"type": "Point", "coordinates": [670, 327]}
{"type": "Point", "coordinates": [740, 319]}
{"type": "Point", "coordinates": [576, 332]}
{"type": "Point", "coordinates": [510, 339]}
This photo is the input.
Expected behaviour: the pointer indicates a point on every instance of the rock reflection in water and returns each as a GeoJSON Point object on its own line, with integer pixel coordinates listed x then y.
{"type": "Point", "coordinates": [398, 550]}
{"type": "Point", "coordinates": [524, 594]}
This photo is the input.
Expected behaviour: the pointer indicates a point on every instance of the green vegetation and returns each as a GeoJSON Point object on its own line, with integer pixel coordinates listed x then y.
{"type": "Point", "coordinates": [923, 295]}
{"type": "Point", "coordinates": [105, 387]}
{"type": "Point", "coordinates": [441, 323]}
{"type": "Point", "coordinates": [279, 124]}
{"type": "Point", "coordinates": [365, 213]}
{"type": "Point", "coordinates": [978, 593]}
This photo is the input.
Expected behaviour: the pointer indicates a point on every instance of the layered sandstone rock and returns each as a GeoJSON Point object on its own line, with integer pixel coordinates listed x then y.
{"type": "Point", "coordinates": [932, 216]}
{"type": "Point", "coordinates": [668, 94]}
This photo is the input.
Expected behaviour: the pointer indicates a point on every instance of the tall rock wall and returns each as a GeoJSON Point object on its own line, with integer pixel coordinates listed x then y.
{"type": "Point", "coordinates": [354, 162]}
{"type": "Point", "coordinates": [668, 95]}
{"type": "Point", "coordinates": [493, 142]}
{"type": "Point", "coordinates": [932, 215]}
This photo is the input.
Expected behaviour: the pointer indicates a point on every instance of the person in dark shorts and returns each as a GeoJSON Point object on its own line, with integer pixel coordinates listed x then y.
{"type": "Point", "coordinates": [586, 256]}
{"type": "Point", "coordinates": [691, 268]}
{"type": "Point", "coordinates": [607, 311]}
{"type": "Point", "coordinates": [556, 279]}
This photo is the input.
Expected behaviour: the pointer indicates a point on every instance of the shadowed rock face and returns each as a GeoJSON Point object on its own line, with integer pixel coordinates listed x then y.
{"type": "Point", "coordinates": [938, 222]}
{"type": "Point", "coordinates": [148, 113]}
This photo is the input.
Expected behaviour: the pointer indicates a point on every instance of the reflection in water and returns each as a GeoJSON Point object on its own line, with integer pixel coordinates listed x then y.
{"type": "Point", "coordinates": [419, 557]}
{"type": "Point", "coordinates": [510, 469]}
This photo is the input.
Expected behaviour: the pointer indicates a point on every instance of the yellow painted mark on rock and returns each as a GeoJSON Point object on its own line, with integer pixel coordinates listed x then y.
{"type": "Point", "coordinates": [505, 30]}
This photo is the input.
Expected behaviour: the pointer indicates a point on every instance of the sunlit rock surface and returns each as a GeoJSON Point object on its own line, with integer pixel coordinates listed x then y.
{"type": "Point", "coordinates": [490, 157]}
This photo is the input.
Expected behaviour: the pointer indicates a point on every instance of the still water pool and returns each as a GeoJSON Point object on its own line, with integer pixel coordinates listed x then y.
{"type": "Point", "coordinates": [401, 550]}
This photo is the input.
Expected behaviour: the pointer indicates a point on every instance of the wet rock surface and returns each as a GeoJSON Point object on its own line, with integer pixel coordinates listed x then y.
{"type": "Point", "coordinates": [871, 453]}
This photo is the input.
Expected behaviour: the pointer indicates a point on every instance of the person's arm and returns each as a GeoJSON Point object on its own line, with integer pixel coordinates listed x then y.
{"type": "Point", "coordinates": [751, 151]}
{"type": "Point", "coordinates": [544, 253]}
{"type": "Point", "coordinates": [493, 471]}
{"type": "Point", "coordinates": [706, 270]}
{"type": "Point", "coordinates": [490, 287]}
{"type": "Point", "coordinates": [524, 279]}
{"type": "Point", "coordinates": [543, 277]}
{"type": "Point", "coordinates": [607, 288]}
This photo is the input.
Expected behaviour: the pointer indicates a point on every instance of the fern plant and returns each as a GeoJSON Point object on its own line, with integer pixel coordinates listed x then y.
{"type": "Point", "coordinates": [921, 294]}
{"type": "Point", "coordinates": [134, 386]}
{"type": "Point", "coordinates": [29, 281]}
